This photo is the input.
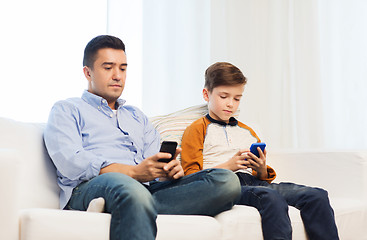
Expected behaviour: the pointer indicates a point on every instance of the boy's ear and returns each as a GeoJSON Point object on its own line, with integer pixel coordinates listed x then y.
{"type": "Point", "coordinates": [206, 94]}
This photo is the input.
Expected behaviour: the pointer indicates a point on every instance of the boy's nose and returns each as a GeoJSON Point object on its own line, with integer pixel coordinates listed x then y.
{"type": "Point", "coordinates": [230, 103]}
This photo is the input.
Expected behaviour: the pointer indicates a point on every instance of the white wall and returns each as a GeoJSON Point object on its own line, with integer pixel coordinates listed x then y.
{"type": "Point", "coordinates": [41, 46]}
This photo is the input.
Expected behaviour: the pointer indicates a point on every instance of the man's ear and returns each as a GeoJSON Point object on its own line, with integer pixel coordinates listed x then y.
{"type": "Point", "coordinates": [87, 71]}
{"type": "Point", "coordinates": [206, 94]}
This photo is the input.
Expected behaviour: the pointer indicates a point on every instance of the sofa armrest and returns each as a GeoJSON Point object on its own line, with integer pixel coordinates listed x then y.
{"type": "Point", "coordinates": [342, 173]}
{"type": "Point", "coordinates": [9, 222]}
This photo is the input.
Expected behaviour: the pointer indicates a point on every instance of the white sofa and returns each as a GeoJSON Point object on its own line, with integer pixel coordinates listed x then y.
{"type": "Point", "coordinates": [29, 193]}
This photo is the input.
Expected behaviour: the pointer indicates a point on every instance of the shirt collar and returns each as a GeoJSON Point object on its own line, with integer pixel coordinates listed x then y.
{"type": "Point", "coordinates": [232, 121]}
{"type": "Point", "coordinates": [97, 101]}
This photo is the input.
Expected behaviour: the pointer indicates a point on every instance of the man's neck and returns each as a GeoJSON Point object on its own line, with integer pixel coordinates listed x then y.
{"type": "Point", "coordinates": [112, 105]}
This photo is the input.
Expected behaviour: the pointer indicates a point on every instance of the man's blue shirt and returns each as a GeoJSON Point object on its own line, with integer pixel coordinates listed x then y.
{"type": "Point", "coordinates": [84, 135]}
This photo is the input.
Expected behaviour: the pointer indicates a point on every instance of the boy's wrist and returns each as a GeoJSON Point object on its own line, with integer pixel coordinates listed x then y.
{"type": "Point", "coordinates": [262, 175]}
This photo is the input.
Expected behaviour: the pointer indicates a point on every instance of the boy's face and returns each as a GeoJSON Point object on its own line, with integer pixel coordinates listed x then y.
{"type": "Point", "coordinates": [108, 76]}
{"type": "Point", "coordinates": [223, 101]}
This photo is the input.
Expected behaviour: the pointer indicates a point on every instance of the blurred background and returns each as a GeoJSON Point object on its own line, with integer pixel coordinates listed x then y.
{"type": "Point", "coordinates": [305, 60]}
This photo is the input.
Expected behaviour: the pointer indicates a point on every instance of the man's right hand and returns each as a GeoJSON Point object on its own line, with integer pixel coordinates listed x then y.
{"type": "Point", "coordinates": [149, 169]}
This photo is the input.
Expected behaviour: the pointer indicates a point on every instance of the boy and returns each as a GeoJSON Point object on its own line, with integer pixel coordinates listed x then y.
{"type": "Point", "coordinates": [218, 140]}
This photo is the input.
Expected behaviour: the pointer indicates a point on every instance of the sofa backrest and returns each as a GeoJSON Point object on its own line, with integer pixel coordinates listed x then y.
{"type": "Point", "coordinates": [37, 174]}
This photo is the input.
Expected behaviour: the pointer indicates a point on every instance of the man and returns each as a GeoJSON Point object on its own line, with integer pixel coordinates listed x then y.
{"type": "Point", "coordinates": [104, 148]}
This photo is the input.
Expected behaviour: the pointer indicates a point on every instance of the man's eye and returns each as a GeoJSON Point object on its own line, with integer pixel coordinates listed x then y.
{"type": "Point", "coordinates": [123, 69]}
{"type": "Point", "coordinates": [107, 68]}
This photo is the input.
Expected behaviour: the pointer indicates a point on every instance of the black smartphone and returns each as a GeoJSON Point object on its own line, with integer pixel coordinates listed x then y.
{"type": "Point", "coordinates": [254, 146]}
{"type": "Point", "coordinates": [168, 147]}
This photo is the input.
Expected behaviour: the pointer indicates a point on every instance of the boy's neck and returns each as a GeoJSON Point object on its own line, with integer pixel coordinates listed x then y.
{"type": "Point", "coordinates": [232, 121]}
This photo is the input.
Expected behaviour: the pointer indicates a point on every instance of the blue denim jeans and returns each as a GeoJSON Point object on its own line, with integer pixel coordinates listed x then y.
{"type": "Point", "coordinates": [272, 200]}
{"type": "Point", "coordinates": [134, 206]}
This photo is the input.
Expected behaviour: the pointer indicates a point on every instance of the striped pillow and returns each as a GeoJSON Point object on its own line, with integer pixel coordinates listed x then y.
{"type": "Point", "coordinates": [172, 126]}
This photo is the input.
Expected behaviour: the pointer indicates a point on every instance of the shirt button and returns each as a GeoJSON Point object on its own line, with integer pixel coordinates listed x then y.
{"type": "Point", "coordinates": [111, 115]}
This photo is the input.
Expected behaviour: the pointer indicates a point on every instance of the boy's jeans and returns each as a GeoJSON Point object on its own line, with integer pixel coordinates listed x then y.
{"type": "Point", "coordinates": [134, 206]}
{"type": "Point", "coordinates": [272, 200]}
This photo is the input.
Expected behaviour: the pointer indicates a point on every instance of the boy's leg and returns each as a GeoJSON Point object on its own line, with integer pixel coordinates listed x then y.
{"type": "Point", "coordinates": [271, 205]}
{"type": "Point", "coordinates": [316, 212]}
{"type": "Point", "coordinates": [207, 192]}
{"type": "Point", "coordinates": [129, 202]}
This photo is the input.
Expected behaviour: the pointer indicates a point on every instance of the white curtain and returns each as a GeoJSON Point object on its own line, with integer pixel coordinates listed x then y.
{"type": "Point", "coordinates": [277, 45]}
{"type": "Point", "coordinates": [305, 61]}
{"type": "Point", "coordinates": [176, 52]}
{"type": "Point", "coordinates": [306, 65]}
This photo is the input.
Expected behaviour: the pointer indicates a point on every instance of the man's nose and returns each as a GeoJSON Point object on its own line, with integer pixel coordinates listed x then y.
{"type": "Point", "coordinates": [116, 75]}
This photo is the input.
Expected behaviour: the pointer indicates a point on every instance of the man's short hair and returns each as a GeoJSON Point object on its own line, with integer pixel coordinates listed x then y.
{"type": "Point", "coordinates": [99, 42]}
{"type": "Point", "coordinates": [223, 74]}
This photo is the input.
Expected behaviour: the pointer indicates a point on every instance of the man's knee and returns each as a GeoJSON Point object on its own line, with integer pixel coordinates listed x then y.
{"type": "Point", "coordinates": [224, 181]}
{"type": "Point", "coordinates": [124, 190]}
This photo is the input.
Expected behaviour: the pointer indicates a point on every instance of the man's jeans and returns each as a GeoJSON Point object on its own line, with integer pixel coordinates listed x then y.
{"type": "Point", "coordinates": [272, 200]}
{"type": "Point", "coordinates": [134, 206]}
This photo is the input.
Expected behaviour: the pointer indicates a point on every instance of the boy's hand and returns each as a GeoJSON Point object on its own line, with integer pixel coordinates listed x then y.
{"type": "Point", "coordinates": [258, 164]}
{"type": "Point", "coordinates": [237, 162]}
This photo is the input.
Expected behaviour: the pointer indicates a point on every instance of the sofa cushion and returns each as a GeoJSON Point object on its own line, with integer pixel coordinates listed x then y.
{"type": "Point", "coordinates": [46, 224]}
{"type": "Point", "coordinates": [37, 174]}
{"type": "Point", "coordinates": [9, 194]}
{"type": "Point", "coordinates": [246, 221]}
{"type": "Point", "coordinates": [184, 227]}
{"type": "Point", "coordinates": [172, 126]}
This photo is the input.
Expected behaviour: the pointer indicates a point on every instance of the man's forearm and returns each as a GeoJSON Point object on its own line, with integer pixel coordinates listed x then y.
{"type": "Point", "coordinates": [118, 167]}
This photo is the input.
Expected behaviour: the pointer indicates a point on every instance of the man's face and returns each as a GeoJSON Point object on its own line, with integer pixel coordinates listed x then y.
{"type": "Point", "coordinates": [107, 78]}
{"type": "Point", "coordinates": [223, 101]}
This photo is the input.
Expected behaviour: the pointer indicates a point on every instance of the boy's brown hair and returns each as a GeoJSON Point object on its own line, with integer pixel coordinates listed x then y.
{"type": "Point", "coordinates": [223, 74]}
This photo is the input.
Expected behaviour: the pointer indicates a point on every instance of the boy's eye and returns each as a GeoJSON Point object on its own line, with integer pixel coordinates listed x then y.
{"type": "Point", "coordinates": [237, 99]}
{"type": "Point", "coordinates": [223, 97]}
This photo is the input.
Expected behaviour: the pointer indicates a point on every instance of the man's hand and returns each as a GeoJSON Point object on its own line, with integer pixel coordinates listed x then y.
{"type": "Point", "coordinates": [258, 164]}
{"type": "Point", "coordinates": [150, 168]}
{"type": "Point", "coordinates": [173, 168]}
